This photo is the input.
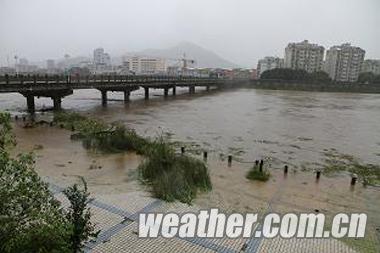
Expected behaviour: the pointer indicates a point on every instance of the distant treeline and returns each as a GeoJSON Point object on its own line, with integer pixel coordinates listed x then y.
{"type": "Point", "coordinates": [315, 77]}
{"type": "Point", "coordinates": [295, 74]}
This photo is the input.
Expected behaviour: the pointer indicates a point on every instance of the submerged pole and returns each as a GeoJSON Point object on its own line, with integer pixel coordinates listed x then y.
{"type": "Point", "coordinates": [318, 174]}
{"type": "Point", "coordinates": [205, 155]}
{"type": "Point", "coordinates": [354, 178]}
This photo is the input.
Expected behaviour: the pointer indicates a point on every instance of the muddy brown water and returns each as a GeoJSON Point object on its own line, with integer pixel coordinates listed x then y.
{"type": "Point", "coordinates": [287, 126]}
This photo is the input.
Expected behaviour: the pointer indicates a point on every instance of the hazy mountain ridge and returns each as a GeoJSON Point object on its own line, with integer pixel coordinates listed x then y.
{"type": "Point", "coordinates": [203, 57]}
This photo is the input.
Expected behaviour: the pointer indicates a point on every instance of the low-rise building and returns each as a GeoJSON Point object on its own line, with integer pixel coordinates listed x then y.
{"type": "Point", "coordinates": [147, 65]}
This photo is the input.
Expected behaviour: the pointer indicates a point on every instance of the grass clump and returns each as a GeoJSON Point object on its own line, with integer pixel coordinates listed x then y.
{"type": "Point", "coordinates": [100, 136]}
{"type": "Point", "coordinates": [173, 176]}
{"type": "Point", "coordinates": [256, 174]}
{"type": "Point", "coordinates": [368, 174]}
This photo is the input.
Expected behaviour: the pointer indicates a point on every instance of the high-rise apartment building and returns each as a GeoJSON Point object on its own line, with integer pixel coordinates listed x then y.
{"type": "Point", "coordinates": [101, 58]}
{"type": "Point", "coordinates": [344, 63]}
{"type": "Point", "coordinates": [304, 55]}
{"type": "Point", "coordinates": [102, 61]}
{"type": "Point", "coordinates": [269, 63]}
{"type": "Point", "coordinates": [371, 66]}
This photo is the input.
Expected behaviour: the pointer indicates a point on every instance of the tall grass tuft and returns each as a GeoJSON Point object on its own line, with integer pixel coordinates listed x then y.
{"type": "Point", "coordinates": [255, 174]}
{"type": "Point", "coordinates": [173, 176]}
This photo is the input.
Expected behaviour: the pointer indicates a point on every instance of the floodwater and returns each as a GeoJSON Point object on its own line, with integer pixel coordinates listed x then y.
{"type": "Point", "coordinates": [286, 127]}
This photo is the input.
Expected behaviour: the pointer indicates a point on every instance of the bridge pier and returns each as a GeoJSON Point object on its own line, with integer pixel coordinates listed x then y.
{"type": "Point", "coordinates": [146, 93]}
{"type": "Point", "coordinates": [104, 97]}
{"type": "Point", "coordinates": [174, 90]}
{"type": "Point", "coordinates": [166, 92]}
{"type": "Point", "coordinates": [57, 101]}
{"type": "Point", "coordinates": [208, 88]}
{"type": "Point", "coordinates": [30, 103]}
{"type": "Point", "coordinates": [127, 94]}
{"type": "Point", "coordinates": [192, 89]}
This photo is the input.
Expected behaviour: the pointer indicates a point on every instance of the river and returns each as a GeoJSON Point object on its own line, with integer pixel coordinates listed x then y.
{"type": "Point", "coordinates": [288, 126]}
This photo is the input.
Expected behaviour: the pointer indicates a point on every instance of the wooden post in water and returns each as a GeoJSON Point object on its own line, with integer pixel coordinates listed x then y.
{"type": "Point", "coordinates": [104, 97]}
{"type": "Point", "coordinates": [182, 150]}
{"type": "Point", "coordinates": [229, 160]}
{"type": "Point", "coordinates": [354, 178]}
{"type": "Point", "coordinates": [261, 165]}
{"type": "Point", "coordinates": [127, 93]}
{"type": "Point", "coordinates": [286, 169]}
{"type": "Point", "coordinates": [205, 155]}
{"type": "Point", "coordinates": [146, 93]}
{"type": "Point", "coordinates": [318, 174]}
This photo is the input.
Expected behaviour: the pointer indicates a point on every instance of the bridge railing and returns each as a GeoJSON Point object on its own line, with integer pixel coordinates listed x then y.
{"type": "Point", "coordinates": [73, 80]}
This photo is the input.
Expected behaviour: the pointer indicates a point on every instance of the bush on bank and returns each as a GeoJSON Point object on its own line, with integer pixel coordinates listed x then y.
{"type": "Point", "coordinates": [255, 174]}
{"type": "Point", "coordinates": [171, 176]}
{"type": "Point", "coordinates": [31, 219]}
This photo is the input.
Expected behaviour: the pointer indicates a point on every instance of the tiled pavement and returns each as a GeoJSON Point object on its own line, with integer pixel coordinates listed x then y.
{"type": "Point", "coordinates": [116, 216]}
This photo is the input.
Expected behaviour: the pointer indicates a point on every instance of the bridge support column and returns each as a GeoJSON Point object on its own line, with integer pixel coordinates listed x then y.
{"type": "Point", "coordinates": [146, 93]}
{"type": "Point", "coordinates": [104, 97]}
{"type": "Point", "coordinates": [166, 92]}
{"type": "Point", "coordinates": [192, 89]}
{"type": "Point", "coordinates": [127, 93]}
{"type": "Point", "coordinates": [30, 103]}
{"type": "Point", "coordinates": [57, 101]}
{"type": "Point", "coordinates": [174, 90]}
{"type": "Point", "coordinates": [207, 88]}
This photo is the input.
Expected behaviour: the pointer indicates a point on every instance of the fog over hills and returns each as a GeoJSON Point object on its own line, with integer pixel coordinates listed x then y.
{"type": "Point", "coordinates": [203, 57]}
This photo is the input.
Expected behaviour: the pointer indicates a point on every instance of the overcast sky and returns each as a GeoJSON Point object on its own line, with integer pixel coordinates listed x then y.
{"type": "Point", "coordinates": [241, 31]}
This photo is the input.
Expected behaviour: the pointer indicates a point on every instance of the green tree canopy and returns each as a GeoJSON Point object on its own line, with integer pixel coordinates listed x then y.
{"type": "Point", "coordinates": [295, 74]}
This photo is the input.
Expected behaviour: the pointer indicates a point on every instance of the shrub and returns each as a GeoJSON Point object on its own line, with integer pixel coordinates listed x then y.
{"type": "Point", "coordinates": [256, 174]}
{"type": "Point", "coordinates": [31, 219]}
{"type": "Point", "coordinates": [79, 216]}
{"type": "Point", "coordinates": [172, 176]}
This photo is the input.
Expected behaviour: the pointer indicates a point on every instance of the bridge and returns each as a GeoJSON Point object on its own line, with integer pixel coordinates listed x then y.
{"type": "Point", "coordinates": [58, 86]}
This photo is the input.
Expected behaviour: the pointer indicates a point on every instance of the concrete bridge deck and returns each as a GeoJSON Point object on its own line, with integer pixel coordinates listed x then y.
{"type": "Point", "coordinates": [58, 86]}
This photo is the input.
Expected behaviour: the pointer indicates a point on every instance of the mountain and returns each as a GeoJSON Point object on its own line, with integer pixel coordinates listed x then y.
{"type": "Point", "coordinates": [203, 58]}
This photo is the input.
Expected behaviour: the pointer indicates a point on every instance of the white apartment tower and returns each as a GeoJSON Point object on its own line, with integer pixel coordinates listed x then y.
{"type": "Point", "coordinates": [344, 63]}
{"type": "Point", "coordinates": [304, 55]}
{"type": "Point", "coordinates": [269, 63]}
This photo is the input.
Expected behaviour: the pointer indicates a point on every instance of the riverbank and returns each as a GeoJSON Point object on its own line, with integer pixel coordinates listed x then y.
{"type": "Point", "coordinates": [313, 86]}
{"type": "Point", "coordinates": [61, 160]}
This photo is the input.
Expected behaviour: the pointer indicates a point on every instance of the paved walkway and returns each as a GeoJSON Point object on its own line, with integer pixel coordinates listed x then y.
{"type": "Point", "coordinates": [116, 216]}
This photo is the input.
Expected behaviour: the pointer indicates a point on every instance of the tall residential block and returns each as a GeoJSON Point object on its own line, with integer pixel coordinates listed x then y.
{"type": "Point", "coordinates": [304, 55]}
{"type": "Point", "coordinates": [344, 63]}
{"type": "Point", "coordinates": [371, 66]}
{"type": "Point", "coordinates": [268, 63]}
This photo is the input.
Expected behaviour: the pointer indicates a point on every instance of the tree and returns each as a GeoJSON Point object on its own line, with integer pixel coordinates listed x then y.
{"type": "Point", "coordinates": [79, 216]}
{"type": "Point", "coordinates": [31, 219]}
{"type": "Point", "coordinates": [366, 77]}
{"type": "Point", "coordinates": [320, 76]}
{"type": "Point", "coordinates": [295, 74]}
